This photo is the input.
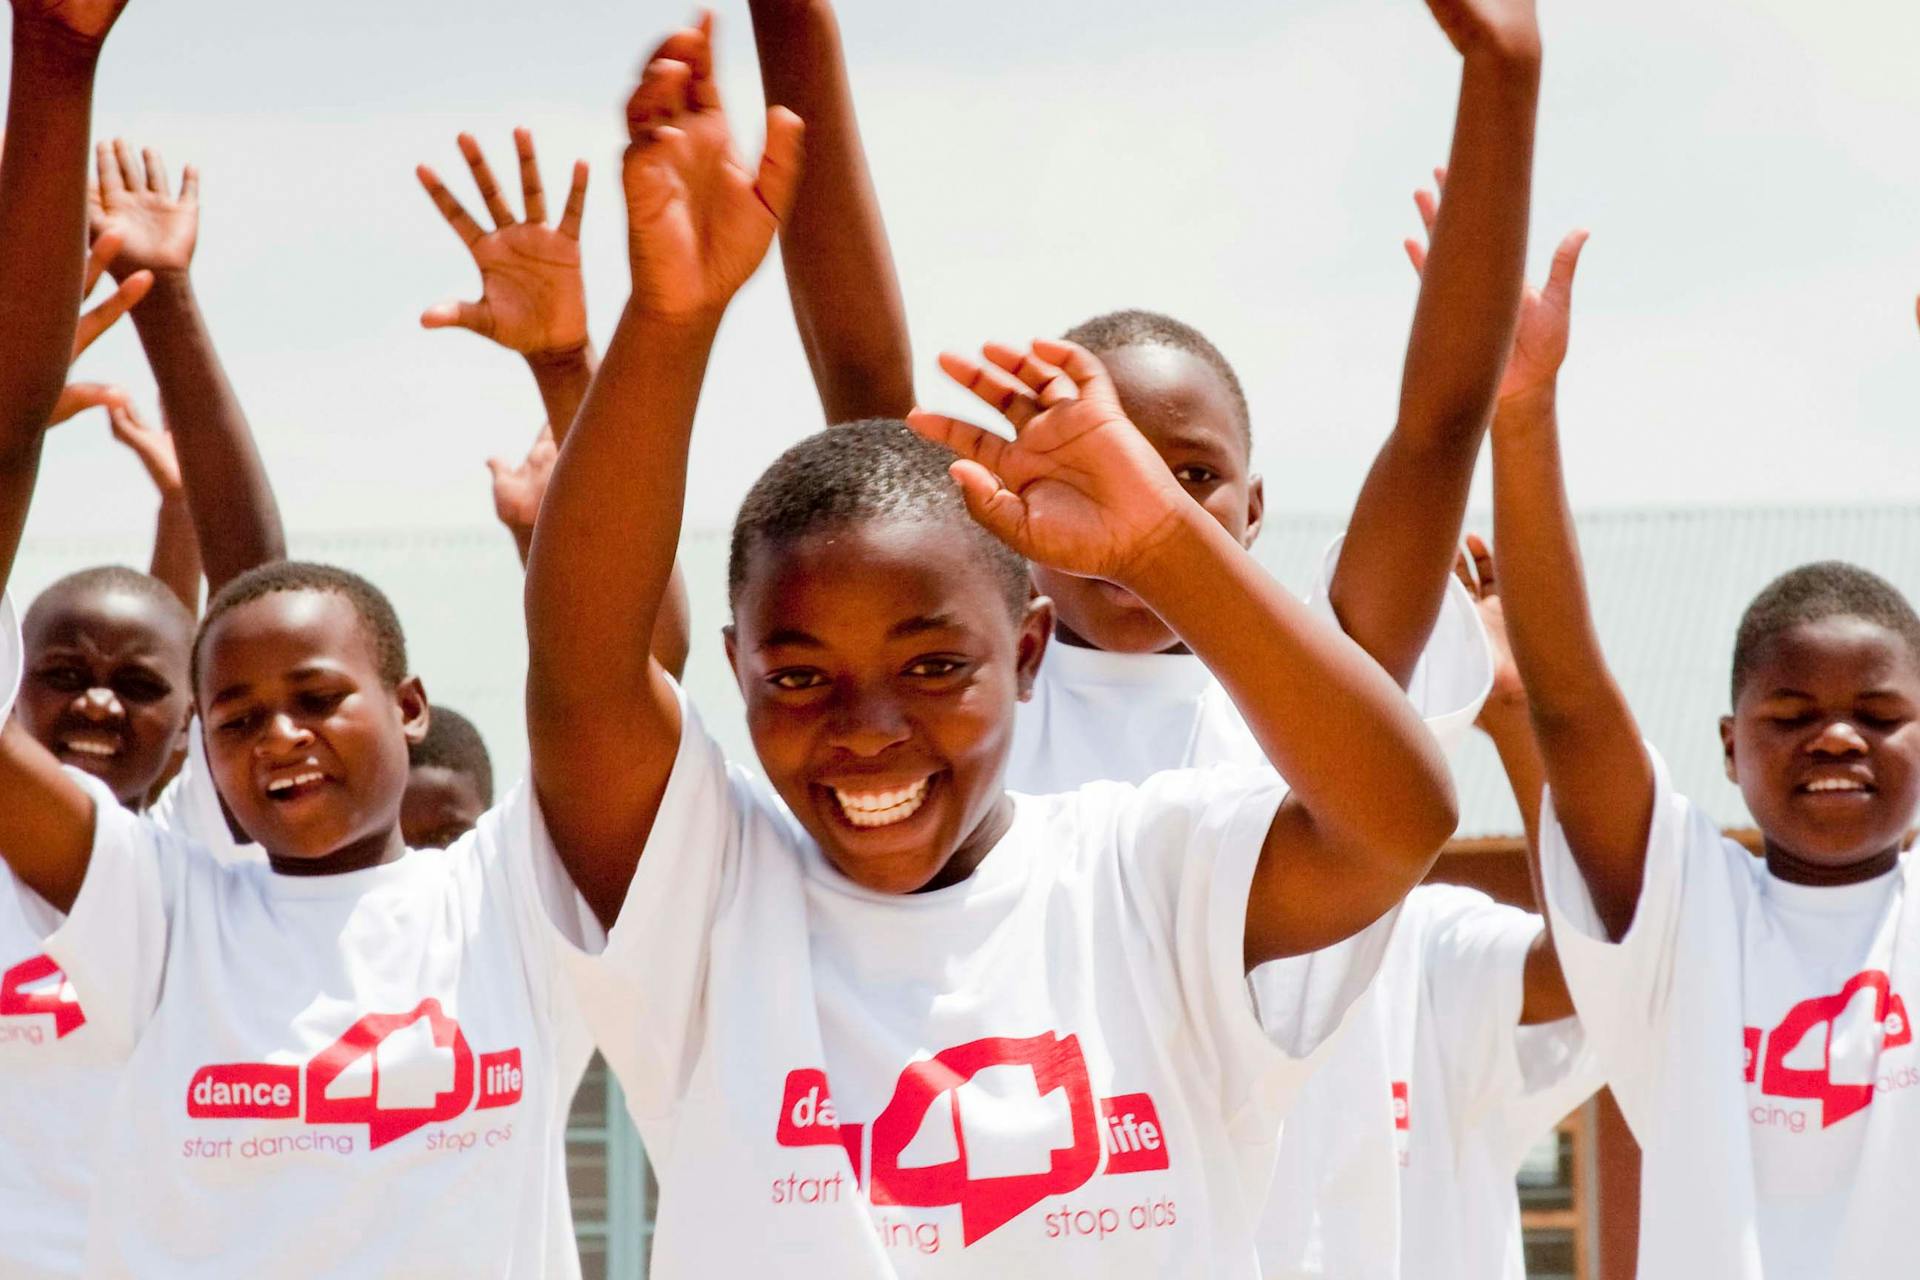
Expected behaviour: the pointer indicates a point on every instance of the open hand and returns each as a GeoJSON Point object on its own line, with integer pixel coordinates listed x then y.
{"type": "Point", "coordinates": [531, 296]}
{"type": "Point", "coordinates": [89, 20]}
{"type": "Point", "coordinates": [80, 396]}
{"type": "Point", "coordinates": [1540, 331]}
{"type": "Point", "coordinates": [130, 198]}
{"type": "Point", "coordinates": [519, 487]}
{"type": "Point", "coordinates": [152, 445]}
{"type": "Point", "coordinates": [1078, 488]}
{"type": "Point", "coordinates": [698, 221]}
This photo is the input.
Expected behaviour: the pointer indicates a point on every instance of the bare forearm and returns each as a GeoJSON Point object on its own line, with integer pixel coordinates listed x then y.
{"type": "Point", "coordinates": [603, 548]}
{"type": "Point", "coordinates": [1286, 669]}
{"type": "Point", "coordinates": [234, 511]}
{"type": "Point", "coordinates": [1401, 541]}
{"type": "Point", "coordinates": [840, 272]}
{"type": "Point", "coordinates": [1590, 747]}
{"type": "Point", "coordinates": [176, 551]}
{"type": "Point", "coordinates": [43, 224]}
{"type": "Point", "coordinates": [563, 378]}
{"type": "Point", "coordinates": [1510, 728]}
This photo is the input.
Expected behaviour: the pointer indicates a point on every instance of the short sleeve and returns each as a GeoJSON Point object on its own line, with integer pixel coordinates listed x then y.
{"type": "Point", "coordinates": [1455, 672]}
{"type": "Point", "coordinates": [113, 944]}
{"type": "Point", "coordinates": [1624, 990]}
{"type": "Point", "coordinates": [1192, 840]}
{"type": "Point", "coordinates": [190, 806]}
{"type": "Point", "coordinates": [13, 658]}
{"type": "Point", "coordinates": [642, 986]}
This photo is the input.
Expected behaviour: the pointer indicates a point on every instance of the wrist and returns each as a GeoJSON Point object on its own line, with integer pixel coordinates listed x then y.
{"type": "Point", "coordinates": [1513, 53]}
{"type": "Point", "coordinates": [50, 50]}
{"type": "Point", "coordinates": [1185, 539]}
{"type": "Point", "coordinates": [559, 361]}
{"type": "Point", "coordinates": [1528, 405]}
{"type": "Point", "coordinates": [172, 290]}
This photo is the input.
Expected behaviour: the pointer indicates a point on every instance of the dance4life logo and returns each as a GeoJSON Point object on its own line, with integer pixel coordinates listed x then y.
{"type": "Point", "coordinates": [392, 1072]}
{"type": "Point", "coordinates": [38, 987]}
{"type": "Point", "coordinates": [1826, 1049]}
{"type": "Point", "coordinates": [994, 1126]}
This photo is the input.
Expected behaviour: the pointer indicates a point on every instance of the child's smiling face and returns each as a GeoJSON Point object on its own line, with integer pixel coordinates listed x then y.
{"type": "Point", "coordinates": [307, 741]}
{"type": "Point", "coordinates": [1824, 742]}
{"type": "Point", "coordinates": [880, 665]}
{"type": "Point", "coordinates": [1182, 406]}
{"type": "Point", "coordinates": [106, 686]}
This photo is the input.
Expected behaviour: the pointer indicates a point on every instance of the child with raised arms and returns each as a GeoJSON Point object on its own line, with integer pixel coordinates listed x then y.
{"type": "Point", "coordinates": [342, 1055]}
{"type": "Point", "coordinates": [1749, 1013]}
{"type": "Point", "coordinates": [874, 1015]}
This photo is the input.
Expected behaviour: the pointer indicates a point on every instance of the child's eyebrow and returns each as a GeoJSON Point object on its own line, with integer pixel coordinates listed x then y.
{"type": "Point", "coordinates": [922, 624]}
{"type": "Point", "coordinates": [789, 638]}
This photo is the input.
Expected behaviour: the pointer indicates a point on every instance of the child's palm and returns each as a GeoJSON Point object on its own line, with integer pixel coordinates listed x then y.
{"type": "Point", "coordinates": [531, 295]}
{"type": "Point", "coordinates": [91, 19]}
{"type": "Point", "coordinates": [157, 227]}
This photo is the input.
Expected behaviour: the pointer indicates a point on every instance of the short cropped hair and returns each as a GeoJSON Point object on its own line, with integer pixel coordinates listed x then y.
{"type": "Point", "coordinates": [1133, 328]}
{"type": "Point", "coordinates": [873, 469]}
{"type": "Point", "coordinates": [1825, 589]}
{"type": "Point", "coordinates": [369, 604]}
{"type": "Point", "coordinates": [103, 579]}
{"type": "Point", "coordinates": [454, 744]}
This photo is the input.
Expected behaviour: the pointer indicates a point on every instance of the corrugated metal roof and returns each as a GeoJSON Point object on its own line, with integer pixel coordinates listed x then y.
{"type": "Point", "coordinates": [1668, 588]}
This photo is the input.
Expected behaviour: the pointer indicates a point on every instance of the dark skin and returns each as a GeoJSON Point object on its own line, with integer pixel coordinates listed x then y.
{"type": "Point", "coordinates": [874, 682]}
{"type": "Point", "coordinates": [1184, 409]}
{"type": "Point", "coordinates": [105, 687]}
{"type": "Point", "coordinates": [1081, 490]}
{"type": "Point", "coordinates": [440, 806]}
{"type": "Point", "coordinates": [291, 687]}
{"type": "Point", "coordinates": [1833, 703]}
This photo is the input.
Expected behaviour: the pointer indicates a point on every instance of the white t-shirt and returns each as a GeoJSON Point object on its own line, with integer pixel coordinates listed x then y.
{"type": "Point", "coordinates": [190, 806]}
{"type": "Point", "coordinates": [1052, 1069]}
{"type": "Point", "coordinates": [55, 1067]}
{"type": "Point", "coordinates": [1756, 1035]}
{"type": "Point", "coordinates": [1401, 1157]}
{"type": "Point", "coordinates": [1097, 716]}
{"type": "Point", "coordinates": [345, 1075]}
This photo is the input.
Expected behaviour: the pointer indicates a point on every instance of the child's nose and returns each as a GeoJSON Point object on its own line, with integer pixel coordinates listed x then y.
{"type": "Point", "coordinates": [867, 723]}
{"type": "Point", "coordinates": [100, 704]}
{"type": "Point", "coordinates": [1839, 738]}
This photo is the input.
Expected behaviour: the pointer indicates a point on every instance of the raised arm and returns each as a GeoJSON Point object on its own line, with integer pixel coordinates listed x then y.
{"type": "Point", "coordinates": [1400, 543]}
{"type": "Point", "coordinates": [1080, 489]}
{"type": "Point", "coordinates": [840, 274]}
{"type": "Point", "coordinates": [46, 819]}
{"type": "Point", "coordinates": [234, 511]}
{"type": "Point", "coordinates": [176, 548]}
{"type": "Point", "coordinates": [1595, 762]}
{"type": "Point", "coordinates": [603, 721]}
{"type": "Point", "coordinates": [1507, 723]}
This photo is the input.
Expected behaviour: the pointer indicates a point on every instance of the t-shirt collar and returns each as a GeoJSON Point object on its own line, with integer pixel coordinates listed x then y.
{"type": "Point", "coordinates": [1834, 900]}
{"type": "Point", "coordinates": [1180, 675]}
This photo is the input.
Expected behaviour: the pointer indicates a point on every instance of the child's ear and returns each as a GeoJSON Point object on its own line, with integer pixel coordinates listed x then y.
{"type": "Point", "coordinates": [1256, 510]}
{"type": "Point", "coordinates": [1036, 628]}
{"type": "Point", "coordinates": [411, 697]}
{"type": "Point", "coordinates": [1726, 745]}
{"type": "Point", "coordinates": [727, 637]}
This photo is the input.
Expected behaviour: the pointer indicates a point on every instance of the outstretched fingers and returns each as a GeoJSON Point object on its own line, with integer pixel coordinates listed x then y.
{"type": "Point", "coordinates": [1482, 566]}
{"type": "Point", "coordinates": [78, 397]}
{"type": "Point", "coordinates": [1082, 369]}
{"type": "Point", "coordinates": [450, 207]}
{"type": "Point", "coordinates": [156, 167]}
{"type": "Point", "coordinates": [122, 300]}
{"type": "Point", "coordinates": [659, 99]}
{"type": "Point", "coordinates": [458, 315]}
{"type": "Point", "coordinates": [483, 178]}
{"type": "Point", "coordinates": [532, 194]}
{"type": "Point", "coordinates": [1011, 398]}
{"type": "Point", "coordinates": [130, 175]}
{"type": "Point", "coordinates": [1050, 386]}
{"type": "Point", "coordinates": [105, 249]}
{"type": "Point", "coordinates": [107, 169]}
{"type": "Point", "coordinates": [576, 202]}
{"type": "Point", "coordinates": [977, 454]}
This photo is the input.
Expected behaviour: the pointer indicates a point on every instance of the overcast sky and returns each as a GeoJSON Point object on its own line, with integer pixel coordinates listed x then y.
{"type": "Point", "coordinates": [1744, 323]}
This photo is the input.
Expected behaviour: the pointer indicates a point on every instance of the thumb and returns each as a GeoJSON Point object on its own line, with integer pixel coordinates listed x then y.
{"type": "Point", "coordinates": [1560, 276]}
{"type": "Point", "coordinates": [779, 176]}
{"type": "Point", "coordinates": [458, 315]}
{"type": "Point", "coordinates": [500, 469]}
{"type": "Point", "coordinates": [993, 507]}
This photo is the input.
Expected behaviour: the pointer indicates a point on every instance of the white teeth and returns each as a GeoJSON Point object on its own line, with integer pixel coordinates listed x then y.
{"type": "Point", "coordinates": [297, 780]}
{"type": "Point", "coordinates": [1835, 784]}
{"type": "Point", "coordinates": [92, 749]}
{"type": "Point", "coordinates": [881, 808]}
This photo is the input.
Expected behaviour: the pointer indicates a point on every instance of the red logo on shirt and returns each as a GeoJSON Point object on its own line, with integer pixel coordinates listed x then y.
{"type": "Point", "coordinates": [1802, 1058]}
{"type": "Point", "coordinates": [993, 1126]}
{"type": "Point", "coordinates": [1402, 1113]}
{"type": "Point", "coordinates": [394, 1073]}
{"type": "Point", "coordinates": [37, 986]}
